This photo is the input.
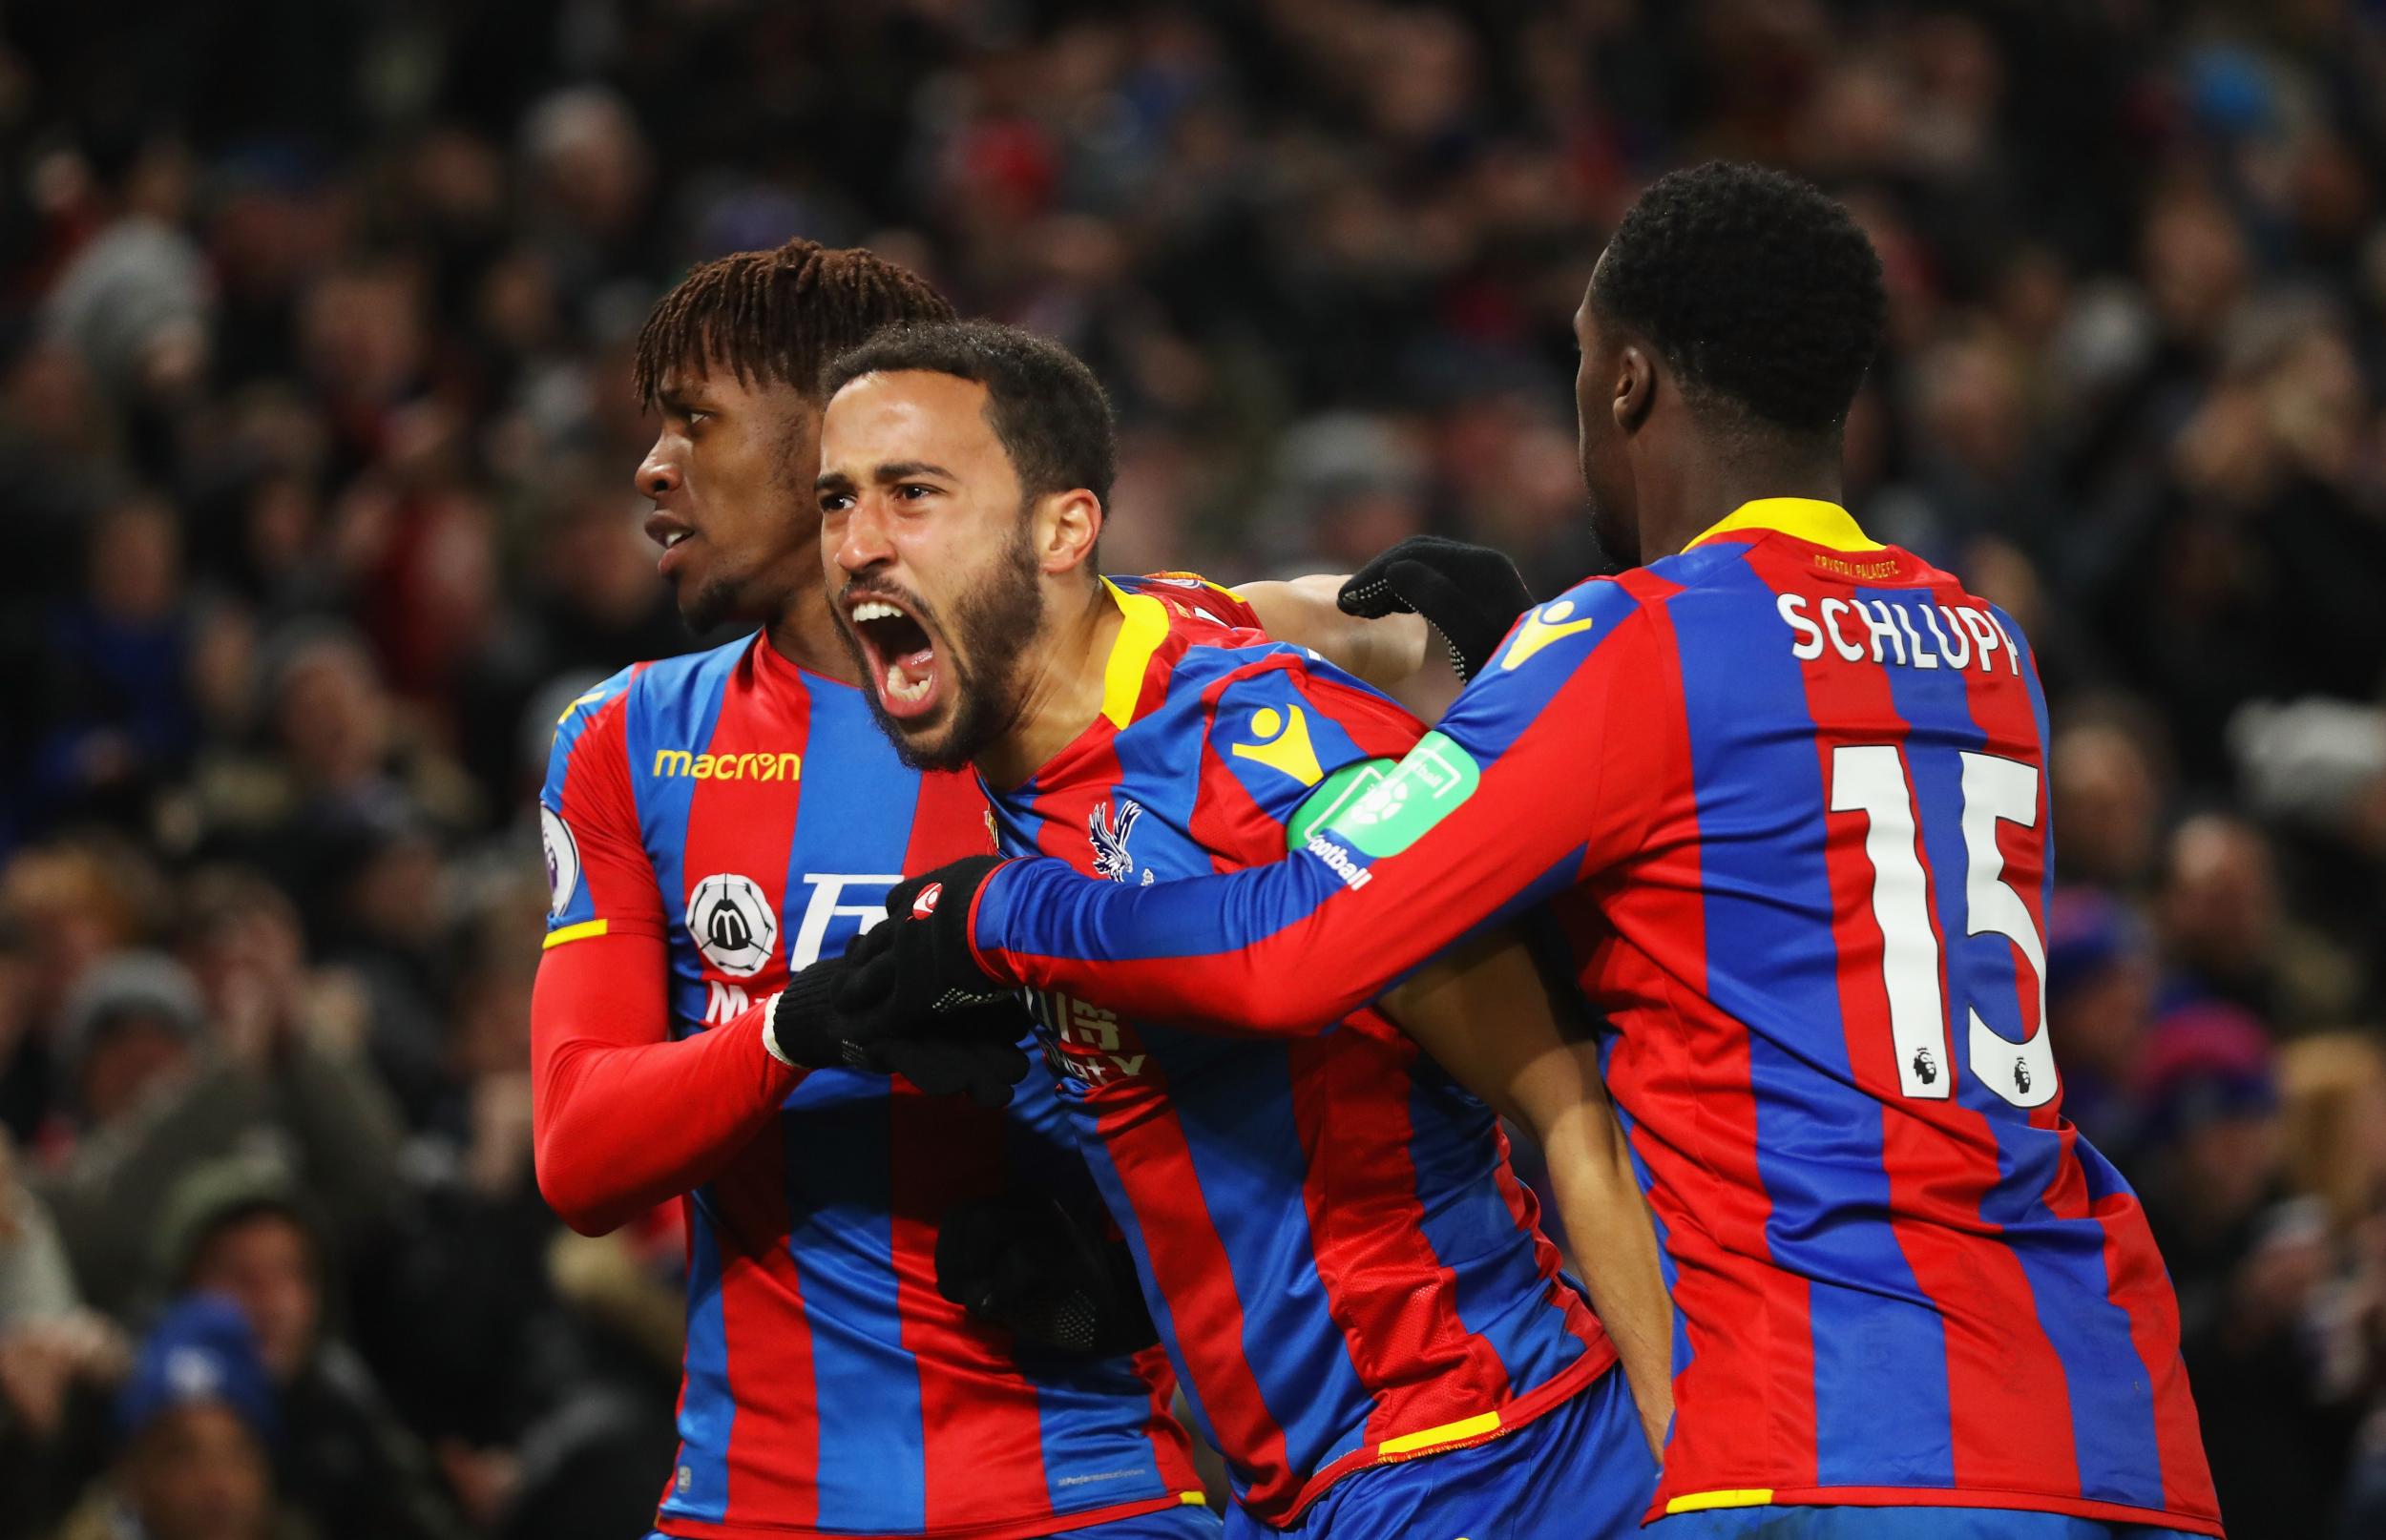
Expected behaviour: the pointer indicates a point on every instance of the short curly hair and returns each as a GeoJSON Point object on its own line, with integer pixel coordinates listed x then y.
{"type": "Point", "coordinates": [1757, 288]}
{"type": "Point", "coordinates": [1045, 405]}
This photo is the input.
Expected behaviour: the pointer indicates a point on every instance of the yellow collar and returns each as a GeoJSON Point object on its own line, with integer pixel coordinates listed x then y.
{"type": "Point", "coordinates": [1802, 518]}
{"type": "Point", "coordinates": [1145, 627]}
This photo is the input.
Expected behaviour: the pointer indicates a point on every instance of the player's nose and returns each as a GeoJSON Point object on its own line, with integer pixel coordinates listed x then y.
{"type": "Point", "coordinates": [658, 474]}
{"type": "Point", "coordinates": [862, 543]}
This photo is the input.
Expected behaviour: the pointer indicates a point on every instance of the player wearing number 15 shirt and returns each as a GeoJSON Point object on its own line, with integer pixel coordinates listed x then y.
{"type": "Point", "coordinates": [1783, 788]}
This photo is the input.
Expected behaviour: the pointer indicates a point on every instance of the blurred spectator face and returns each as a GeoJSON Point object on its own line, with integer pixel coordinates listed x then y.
{"type": "Point", "coordinates": [72, 912]}
{"type": "Point", "coordinates": [2334, 1087]}
{"type": "Point", "coordinates": [2220, 903]}
{"type": "Point", "coordinates": [248, 938]}
{"type": "Point", "coordinates": [265, 1264]}
{"type": "Point", "coordinates": [2105, 803]}
{"type": "Point", "coordinates": [1972, 407]}
{"type": "Point", "coordinates": [198, 1473]}
{"type": "Point", "coordinates": [730, 477]}
{"type": "Point", "coordinates": [360, 331]}
{"type": "Point", "coordinates": [136, 572]}
{"type": "Point", "coordinates": [127, 1058]}
{"type": "Point", "coordinates": [587, 160]}
{"type": "Point", "coordinates": [2194, 262]}
{"type": "Point", "coordinates": [331, 715]}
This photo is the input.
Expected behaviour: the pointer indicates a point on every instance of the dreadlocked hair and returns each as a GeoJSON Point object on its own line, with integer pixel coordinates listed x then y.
{"type": "Point", "coordinates": [776, 316]}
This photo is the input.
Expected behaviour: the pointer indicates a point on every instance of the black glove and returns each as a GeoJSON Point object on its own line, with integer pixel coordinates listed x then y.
{"type": "Point", "coordinates": [972, 1050]}
{"type": "Point", "coordinates": [904, 977]}
{"type": "Point", "coordinates": [1472, 594]}
{"type": "Point", "coordinates": [1060, 1287]}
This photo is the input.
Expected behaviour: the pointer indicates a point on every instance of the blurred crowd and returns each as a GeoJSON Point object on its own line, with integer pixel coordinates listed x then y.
{"type": "Point", "coordinates": [316, 432]}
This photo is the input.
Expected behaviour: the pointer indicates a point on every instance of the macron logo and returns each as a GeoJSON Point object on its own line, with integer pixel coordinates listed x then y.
{"type": "Point", "coordinates": [1354, 875]}
{"type": "Point", "coordinates": [925, 904]}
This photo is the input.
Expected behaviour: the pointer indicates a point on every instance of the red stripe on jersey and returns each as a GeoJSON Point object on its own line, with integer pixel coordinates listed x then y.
{"type": "Point", "coordinates": [747, 825]}
{"type": "Point", "coordinates": [1388, 1335]}
{"type": "Point", "coordinates": [2135, 1281]}
{"type": "Point", "coordinates": [1190, 1270]}
{"type": "Point", "coordinates": [1747, 1392]}
{"type": "Point", "coordinates": [2009, 1413]}
{"type": "Point", "coordinates": [982, 1442]}
{"type": "Point", "coordinates": [774, 1439]}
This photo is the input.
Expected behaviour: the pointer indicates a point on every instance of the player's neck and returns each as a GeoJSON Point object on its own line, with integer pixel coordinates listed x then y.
{"type": "Point", "coordinates": [1686, 495]}
{"type": "Point", "coordinates": [1063, 694]}
{"type": "Point", "coordinates": [805, 633]}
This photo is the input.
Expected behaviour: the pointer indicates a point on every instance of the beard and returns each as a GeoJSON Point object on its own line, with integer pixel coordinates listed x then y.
{"type": "Point", "coordinates": [984, 645]}
{"type": "Point", "coordinates": [708, 607]}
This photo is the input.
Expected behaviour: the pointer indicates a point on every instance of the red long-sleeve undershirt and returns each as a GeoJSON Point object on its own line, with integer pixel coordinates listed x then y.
{"type": "Point", "coordinates": [623, 1117]}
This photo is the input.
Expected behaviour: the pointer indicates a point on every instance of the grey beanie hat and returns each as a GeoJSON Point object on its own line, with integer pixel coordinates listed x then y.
{"type": "Point", "coordinates": [128, 984]}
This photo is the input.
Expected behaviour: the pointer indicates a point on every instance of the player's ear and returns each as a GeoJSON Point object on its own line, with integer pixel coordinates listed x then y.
{"type": "Point", "coordinates": [1066, 527]}
{"type": "Point", "coordinates": [1635, 388]}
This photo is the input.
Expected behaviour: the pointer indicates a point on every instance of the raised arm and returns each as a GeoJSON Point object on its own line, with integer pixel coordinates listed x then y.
{"type": "Point", "coordinates": [1542, 772]}
{"type": "Point", "coordinates": [1397, 653]}
{"type": "Point", "coordinates": [1485, 1014]}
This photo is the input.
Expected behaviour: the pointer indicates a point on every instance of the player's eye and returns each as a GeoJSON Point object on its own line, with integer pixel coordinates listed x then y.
{"type": "Point", "coordinates": [912, 491]}
{"type": "Point", "coordinates": [834, 502]}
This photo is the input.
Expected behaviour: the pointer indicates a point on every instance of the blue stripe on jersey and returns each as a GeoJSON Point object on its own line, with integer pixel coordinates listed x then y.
{"type": "Point", "coordinates": [853, 817]}
{"type": "Point", "coordinates": [1085, 1452]}
{"type": "Point", "coordinates": [1772, 963]}
{"type": "Point", "coordinates": [1114, 1191]}
{"type": "Point", "coordinates": [1311, 1389]}
{"type": "Point", "coordinates": [675, 704]}
{"type": "Point", "coordinates": [581, 906]}
{"type": "Point", "coordinates": [1244, 1144]}
{"type": "Point", "coordinates": [707, 1411]}
{"type": "Point", "coordinates": [1465, 1220]}
{"type": "Point", "coordinates": [2112, 1409]}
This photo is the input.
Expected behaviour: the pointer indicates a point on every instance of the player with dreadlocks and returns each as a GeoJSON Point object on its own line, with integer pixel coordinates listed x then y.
{"type": "Point", "coordinates": [717, 823]}
{"type": "Point", "coordinates": [714, 823]}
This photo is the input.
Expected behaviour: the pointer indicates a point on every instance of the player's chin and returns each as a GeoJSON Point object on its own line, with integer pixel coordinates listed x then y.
{"type": "Point", "coordinates": [927, 739]}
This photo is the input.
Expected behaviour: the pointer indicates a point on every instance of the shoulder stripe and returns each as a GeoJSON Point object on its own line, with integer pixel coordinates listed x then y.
{"type": "Point", "coordinates": [1146, 627]}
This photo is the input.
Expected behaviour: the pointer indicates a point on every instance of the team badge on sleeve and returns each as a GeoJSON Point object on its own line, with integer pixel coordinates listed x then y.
{"type": "Point", "coordinates": [733, 924]}
{"type": "Point", "coordinates": [563, 859]}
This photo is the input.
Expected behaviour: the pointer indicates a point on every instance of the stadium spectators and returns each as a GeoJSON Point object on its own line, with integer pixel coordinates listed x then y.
{"type": "Point", "coordinates": [316, 419]}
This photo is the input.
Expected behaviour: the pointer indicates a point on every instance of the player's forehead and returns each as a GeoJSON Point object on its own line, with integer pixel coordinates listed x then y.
{"type": "Point", "coordinates": [907, 415]}
{"type": "Point", "coordinates": [716, 387]}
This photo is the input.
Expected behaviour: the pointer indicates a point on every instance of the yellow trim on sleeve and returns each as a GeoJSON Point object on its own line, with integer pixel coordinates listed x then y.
{"type": "Point", "coordinates": [578, 933]}
{"type": "Point", "coordinates": [1466, 1428]}
{"type": "Point", "coordinates": [1191, 1500]}
{"type": "Point", "coordinates": [1146, 628]}
{"type": "Point", "coordinates": [1733, 1497]}
{"type": "Point", "coordinates": [1804, 518]}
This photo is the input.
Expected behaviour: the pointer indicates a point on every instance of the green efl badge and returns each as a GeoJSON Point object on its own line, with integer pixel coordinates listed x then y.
{"type": "Point", "coordinates": [1382, 808]}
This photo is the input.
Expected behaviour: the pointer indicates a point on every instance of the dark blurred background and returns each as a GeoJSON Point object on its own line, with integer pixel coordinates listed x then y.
{"type": "Point", "coordinates": [316, 439]}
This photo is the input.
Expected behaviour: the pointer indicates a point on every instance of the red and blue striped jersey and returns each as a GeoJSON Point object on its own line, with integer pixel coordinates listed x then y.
{"type": "Point", "coordinates": [1342, 1264]}
{"type": "Point", "coordinates": [1785, 792]}
{"type": "Point", "coordinates": [752, 814]}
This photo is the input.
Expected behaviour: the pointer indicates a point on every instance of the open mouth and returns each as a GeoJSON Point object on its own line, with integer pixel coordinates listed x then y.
{"type": "Point", "coordinates": [669, 533]}
{"type": "Point", "coordinates": [899, 655]}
